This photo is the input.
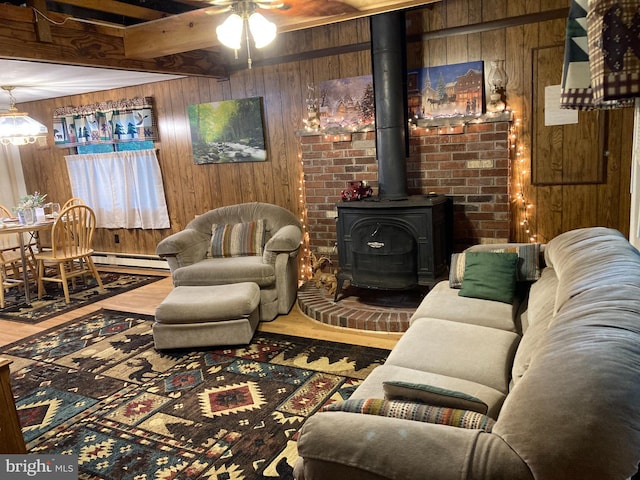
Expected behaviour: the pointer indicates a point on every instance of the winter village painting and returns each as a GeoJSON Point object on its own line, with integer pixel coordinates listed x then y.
{"type": "Point", "coordinates": [347, 103]}
{"type": "Point", "coordinates": [446, 91]}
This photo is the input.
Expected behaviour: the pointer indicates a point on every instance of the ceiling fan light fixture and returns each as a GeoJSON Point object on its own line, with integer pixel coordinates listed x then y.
{"type": "Point", "coordinates": [229, 33]}
{"type": "Point", "coordinates": [262, 30]}
{"type": "Point", "coordinates": [246, 20]}
{"type": "Point", "coordinates": [18, 128]}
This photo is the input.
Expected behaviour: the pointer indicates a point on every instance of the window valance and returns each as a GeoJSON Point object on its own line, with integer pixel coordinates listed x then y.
{"type": "Point", "coordinates": [127, 120]}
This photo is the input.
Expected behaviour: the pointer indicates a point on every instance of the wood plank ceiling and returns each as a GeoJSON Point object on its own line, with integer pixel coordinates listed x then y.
{"type": "Point", "coordinates": [163, 36]}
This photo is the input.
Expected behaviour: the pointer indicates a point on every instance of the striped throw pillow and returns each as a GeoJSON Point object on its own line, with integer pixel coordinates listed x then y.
{"type": "Point", "coordinates": [420, 412]}
{"type": "Point", "coordinates": [237, 240]}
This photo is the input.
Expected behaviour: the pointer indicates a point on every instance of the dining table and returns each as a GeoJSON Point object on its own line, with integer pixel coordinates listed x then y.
{"type": "Point", "coordinates": [13, 227]}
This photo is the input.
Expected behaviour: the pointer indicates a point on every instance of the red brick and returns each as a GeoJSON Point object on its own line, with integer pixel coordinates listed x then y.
{"type": "Point", "coordinates": [465, 156]}
{"type": "Point", "coordinates": [480, 127]}
{"type": "Point", "coordinates": [321, 147]}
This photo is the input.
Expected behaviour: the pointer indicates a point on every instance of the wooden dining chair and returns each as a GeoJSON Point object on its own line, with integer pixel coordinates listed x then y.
{"type": "Point", "coordinates": [11, 260]}
{"type": "Point", "coordinates": [70, 256]}
{"type": "Point", "coordinates": [44, 239]}
{"type": "Point", "coordinates": [72, 201]}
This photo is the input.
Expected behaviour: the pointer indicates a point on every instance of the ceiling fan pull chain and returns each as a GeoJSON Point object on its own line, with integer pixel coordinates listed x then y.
{"type": "Point", "coordinates": [246, 33]}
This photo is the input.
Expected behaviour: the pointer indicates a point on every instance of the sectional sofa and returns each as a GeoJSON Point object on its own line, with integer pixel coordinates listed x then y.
{"type": "Point", "coordinates": [532, 377]}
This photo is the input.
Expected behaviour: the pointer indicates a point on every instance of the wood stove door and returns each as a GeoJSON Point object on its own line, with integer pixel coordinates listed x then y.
{"type": "Point", "coordinates": [384, 256]}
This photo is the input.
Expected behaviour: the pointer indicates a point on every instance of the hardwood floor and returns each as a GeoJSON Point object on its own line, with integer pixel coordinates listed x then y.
{"type": "Point", "coordinates": [144, 300]}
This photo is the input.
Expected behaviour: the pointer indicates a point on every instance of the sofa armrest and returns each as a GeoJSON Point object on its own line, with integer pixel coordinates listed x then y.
{"type": "Point", "coordinates": [286, 268]}
{"type": "Point", "coordinates": [368, 447]}
{"type": "Point", "coordinates": [286, 239]}
{"type": "Point", "coordinates": [351, 445]}
{"type": "Point", "coordinates": [183, 248]}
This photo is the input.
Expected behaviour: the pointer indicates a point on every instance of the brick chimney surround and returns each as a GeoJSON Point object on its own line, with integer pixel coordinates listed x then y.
{"type": "Point", "coordinates": [466, 161]}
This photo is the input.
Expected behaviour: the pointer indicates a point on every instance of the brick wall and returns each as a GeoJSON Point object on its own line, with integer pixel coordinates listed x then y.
{"type": "Point", "coordinates": [469, 163]}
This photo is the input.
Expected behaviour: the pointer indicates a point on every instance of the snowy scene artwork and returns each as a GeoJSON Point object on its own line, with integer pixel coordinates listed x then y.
{"type": "Point", "coordinates": [446, 91]}
{"type": "Point", "coordinates": [347, 103]}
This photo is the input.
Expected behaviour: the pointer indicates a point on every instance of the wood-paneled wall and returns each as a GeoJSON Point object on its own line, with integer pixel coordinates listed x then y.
{"type": "Point", "coordinates": [437, 36]}
{"type": "Point", "coordinates": [554, 207]}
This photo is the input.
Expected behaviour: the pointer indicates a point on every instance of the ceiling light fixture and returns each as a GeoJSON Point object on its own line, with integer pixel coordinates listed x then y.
{"type": "Point", "coordinates": [245, 19]}
{"type": "Point", "coordinates": [18, 128]}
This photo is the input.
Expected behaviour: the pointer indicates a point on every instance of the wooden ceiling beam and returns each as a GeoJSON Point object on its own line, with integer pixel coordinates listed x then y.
{"type": "Point", "coordinates": [196, 29]}
{"type": "Point", "coordinates": [116, 8]}
{"type": "Point", "coordinates": [43, 29]}
{"type": "Point", "coordinates": [91, 46]}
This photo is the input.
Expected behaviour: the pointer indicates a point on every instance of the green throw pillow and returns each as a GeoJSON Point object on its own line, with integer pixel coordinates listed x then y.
{"type": "Point", "coordinates": [490, 276]}
{"type": "Point", "coordinates": [528, 269]}
{"type": "Point", "coordinates": [441, 397]}
{"type": "Point", "coordinates": [419, 412]}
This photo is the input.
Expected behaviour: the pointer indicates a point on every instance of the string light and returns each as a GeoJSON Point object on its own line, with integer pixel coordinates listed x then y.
{"type": "Point", "coordinates": [523, 208]}
{"type": "Point", "coordinates": [306, 271]}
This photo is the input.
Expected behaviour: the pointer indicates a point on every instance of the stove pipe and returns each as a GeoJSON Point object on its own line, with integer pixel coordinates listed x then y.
{"type": "Point", "coordinates": [388, 59]}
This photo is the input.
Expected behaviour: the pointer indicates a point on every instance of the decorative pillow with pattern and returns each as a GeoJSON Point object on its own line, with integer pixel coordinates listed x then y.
{"type": "Point", "coordinates": [528, 261]}
{"type": "Point", "coordinates": [237, 240]}
{"type": "Point", "coordinates": [419, 412]}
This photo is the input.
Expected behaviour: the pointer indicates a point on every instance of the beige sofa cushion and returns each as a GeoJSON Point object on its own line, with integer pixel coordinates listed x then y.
{"type": "Point", "coordinates": [535, 321]}
{"type": "Point", "coordinates": [221, 271]}
{"type": "Point", "coordinates": [444, 302]}
{"type": "Point", "coordinates": [471, 352]}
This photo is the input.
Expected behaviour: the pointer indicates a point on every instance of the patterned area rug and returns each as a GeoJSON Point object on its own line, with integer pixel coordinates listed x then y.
{"type": "Point", "coordinates": [53, 303]}
{"type": "Point", "coordinates": [96, 387]}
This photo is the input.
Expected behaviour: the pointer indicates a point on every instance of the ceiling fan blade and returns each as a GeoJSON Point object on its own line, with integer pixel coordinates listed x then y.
{"type": "Point", "coordinates": [295, 8]}
{"type": "Point", "coordinates": [217, 10]}
{"type": "Point", "coordinates": [312, 8]}
{"type": "Point", "coordinates": [272, 5]}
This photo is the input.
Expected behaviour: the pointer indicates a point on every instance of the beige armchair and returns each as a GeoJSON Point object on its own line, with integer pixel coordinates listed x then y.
{"type": "Point", "coordinates": [226, 245]}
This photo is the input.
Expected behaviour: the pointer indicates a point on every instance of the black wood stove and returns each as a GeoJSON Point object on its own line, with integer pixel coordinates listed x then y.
{"type": "Point", "coordinates": [393, 245]}
{"type": "Point", "coordinates": [393, 241]}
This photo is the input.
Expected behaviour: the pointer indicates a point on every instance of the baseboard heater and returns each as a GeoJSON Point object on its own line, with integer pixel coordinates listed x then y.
{"type": "Point", "coordinates": [129, 260]}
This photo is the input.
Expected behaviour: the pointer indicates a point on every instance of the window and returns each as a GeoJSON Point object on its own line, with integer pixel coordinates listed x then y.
{"type": "Point", "coordinates": [124, 188]}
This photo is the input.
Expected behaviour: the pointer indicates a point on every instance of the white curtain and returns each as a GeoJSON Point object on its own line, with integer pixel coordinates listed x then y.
{"type": "Point", "coordinates": [124, 188]}
{"type": "Point", "coordinates": [12, 185]}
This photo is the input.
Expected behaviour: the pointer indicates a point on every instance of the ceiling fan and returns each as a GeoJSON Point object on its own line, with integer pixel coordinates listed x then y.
{"type": "Point", "coordinates": [298, 8]}
{"type": "Point", "coordinates": [245, 18]}
{"type": "Point", "coordinates": [227, 5]}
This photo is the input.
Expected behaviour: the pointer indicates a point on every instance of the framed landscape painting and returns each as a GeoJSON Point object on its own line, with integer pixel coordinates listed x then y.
{"type": "Point", "coordinates": [446, 90]}
{"type": "Point", "coordinates": [229, 131]}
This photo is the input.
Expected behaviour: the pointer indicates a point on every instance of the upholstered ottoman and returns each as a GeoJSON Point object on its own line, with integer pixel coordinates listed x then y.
{"type": "Point", "coordinates": [204, 316]}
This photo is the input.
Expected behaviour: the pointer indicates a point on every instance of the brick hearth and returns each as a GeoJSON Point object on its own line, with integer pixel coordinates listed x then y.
{"type": "Point", "coordinates": [358, 308]}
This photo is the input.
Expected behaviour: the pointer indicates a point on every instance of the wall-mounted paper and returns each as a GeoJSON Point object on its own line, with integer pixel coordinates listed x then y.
{"type": "Point", "coordinates": [553, 114]}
